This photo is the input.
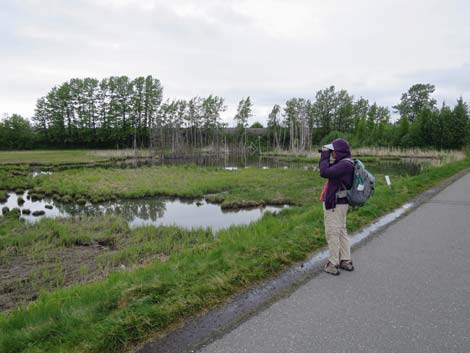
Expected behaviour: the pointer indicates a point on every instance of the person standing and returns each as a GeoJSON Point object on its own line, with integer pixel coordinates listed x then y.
{"type": "Point", "coordinates": [339, 175]}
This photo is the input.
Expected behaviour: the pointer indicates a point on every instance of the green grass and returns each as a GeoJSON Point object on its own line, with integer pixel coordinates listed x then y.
{"type": "Point", "coordinates": [48, 157]}
{"type": "Point", "coordinates": [12, 178]}
{"type": "Point", "coordinates": [56, 253]}
{"type": "Point", "coordinates": [231, 188]}
{"type": "Point", "coordinates": [3, 196]}
{"type": "Point", "coordinates": [113, 314]}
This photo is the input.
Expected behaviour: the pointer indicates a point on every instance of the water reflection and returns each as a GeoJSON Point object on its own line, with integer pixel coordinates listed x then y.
{"type": "Point", "coordinates": [151, 211]}
{"type": "Point", "coordinates": [403, 166]}
{"type": "Point", "coordinates": [228, 162]}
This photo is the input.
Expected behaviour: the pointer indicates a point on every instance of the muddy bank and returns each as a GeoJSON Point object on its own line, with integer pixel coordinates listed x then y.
{"type": "Point", "coordinates": [57, 253]}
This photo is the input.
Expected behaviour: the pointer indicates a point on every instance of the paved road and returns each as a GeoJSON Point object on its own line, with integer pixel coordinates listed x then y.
{"type": "Point", "coordinates": [409, 293]}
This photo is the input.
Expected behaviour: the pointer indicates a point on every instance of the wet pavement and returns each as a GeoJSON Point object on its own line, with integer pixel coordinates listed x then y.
{"type": "Point", "coordinates": [410, 293]}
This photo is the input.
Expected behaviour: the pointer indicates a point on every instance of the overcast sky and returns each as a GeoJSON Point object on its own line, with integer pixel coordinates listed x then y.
{"type": "Point", "coordinates": [270, 50]}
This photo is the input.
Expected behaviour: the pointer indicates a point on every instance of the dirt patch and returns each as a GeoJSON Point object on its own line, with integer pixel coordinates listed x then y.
{"type": "Point", "coordinates": [22, 277]}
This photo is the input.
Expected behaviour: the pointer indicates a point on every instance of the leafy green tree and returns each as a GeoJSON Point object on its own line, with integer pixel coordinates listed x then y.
{"type": "Point", "coordinates": [343, 119]}
{"type": "Point", "coordinates": [417, 99]}
{"type": "Point", "coordinates": [402, 137]}
{"type": "Point", "coordinates": [459, 124]}
{"type": "Point", "coordinates": [334, 110]}
{"type": "Point", "coordinates": [16, 133]}
{"type": "Point", "coordinates": [256, 125]}
{"type": "Point", "coordinates": [298, 119]}
{"type": "Point", "coordinates": [211, 108]}
{"type": "Point", "coordinates": [41, 119]}
{"type": "Point", "coordinates": [421, 129]}
{"type": "Point", "coordinates": [244, 112]}
{"type": "Point", "coordinates": [359, 112]}
{"type": "Point", "coordinates": [274, 125]}
{"type": "Point", "coordinates": [324, 109]}
{"type": "Point", "coordinates": [361, 133]}
{"type": "Point", "coordinates": [437, 129]}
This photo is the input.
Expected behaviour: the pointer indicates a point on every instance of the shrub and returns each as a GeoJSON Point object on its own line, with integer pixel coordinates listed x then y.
{"type": "Point", "coordinates": [14, 213]}
{"type": "Point", "coordinates": [39, 213]}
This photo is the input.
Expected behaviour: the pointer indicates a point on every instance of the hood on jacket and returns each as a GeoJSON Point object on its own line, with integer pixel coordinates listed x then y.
{"type": "Point", "coordinates": [342, 149]}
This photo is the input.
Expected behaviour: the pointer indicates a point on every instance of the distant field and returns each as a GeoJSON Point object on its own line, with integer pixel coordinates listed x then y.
{"type": "Point", "coordinates": [47, 157]}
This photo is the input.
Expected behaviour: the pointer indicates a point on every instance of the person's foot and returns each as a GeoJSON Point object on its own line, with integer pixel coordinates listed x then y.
{"type": "Point", "coordinates": [346, 265]}
{"type": "Point", "coordinates": [331, 269]}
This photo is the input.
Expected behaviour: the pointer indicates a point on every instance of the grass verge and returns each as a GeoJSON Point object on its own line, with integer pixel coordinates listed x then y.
{"type": "Point", "coordinates": [113, 314]}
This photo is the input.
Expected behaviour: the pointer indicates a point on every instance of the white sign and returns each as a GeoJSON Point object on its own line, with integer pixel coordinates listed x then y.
{"type": "Point", "coordinates": [387, 179]}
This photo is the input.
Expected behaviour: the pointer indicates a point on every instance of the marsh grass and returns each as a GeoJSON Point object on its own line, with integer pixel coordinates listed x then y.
{"type": "Point", "coordinates": [54, 253]}
{"type": "Point", "coordinates": [13, 178]}
{"type": "Point", "coordinates": [451, 155]}
{"type": "Point", "coordinates": [123, 153]}
{"type": "Point", "coordinates": [380, 152]}
{"type": "Point", "coordinates": [126, 307]}
{"type": "Point", "coordinates": [3, 196]}
{"type": "Point", "coordinates": [51, 157]}
{"type": "Point", "coordinates": [250, 186]}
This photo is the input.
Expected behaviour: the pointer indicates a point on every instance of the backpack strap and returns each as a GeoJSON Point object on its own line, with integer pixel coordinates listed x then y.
{"type": "Point", "coordinates": [344, 193]}
{"type": "Point", "coordinates": [348, 159]}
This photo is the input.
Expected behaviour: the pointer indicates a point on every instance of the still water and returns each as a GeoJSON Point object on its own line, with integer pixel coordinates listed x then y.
{"type": "Point", "coordinates": [402, 166]}
{"type": "Point", "coordinates": [150, 211]}
{"type": "Point", "coordinates": [399, 166]}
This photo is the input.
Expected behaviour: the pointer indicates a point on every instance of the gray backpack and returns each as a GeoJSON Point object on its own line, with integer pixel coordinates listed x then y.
{"type": "Point", "coordinates": [363, 185]}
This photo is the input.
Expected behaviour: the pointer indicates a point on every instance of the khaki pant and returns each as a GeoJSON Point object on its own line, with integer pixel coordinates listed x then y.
{"type": "Point", "coordinates": [336, 233]}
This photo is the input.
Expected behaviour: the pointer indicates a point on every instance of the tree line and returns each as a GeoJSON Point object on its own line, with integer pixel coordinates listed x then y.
{"type": "Point", "coordinates": [118, 112]}
{"type": "Point", "coordinates": [303, 123]}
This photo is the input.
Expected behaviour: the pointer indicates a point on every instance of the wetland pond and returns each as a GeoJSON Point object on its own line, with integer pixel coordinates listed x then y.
{"type": "Point", "coordinates": [141, 212]}
{"type": "Point", "coordinates": [376, 165]}
{"type": "Point", "coordinates": [386, 166]}
{"type": "Point", "coordinates": [193, 213]}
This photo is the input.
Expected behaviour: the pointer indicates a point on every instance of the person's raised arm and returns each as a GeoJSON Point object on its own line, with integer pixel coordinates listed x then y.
{"type": "Point", "coordinates": [327, 171]}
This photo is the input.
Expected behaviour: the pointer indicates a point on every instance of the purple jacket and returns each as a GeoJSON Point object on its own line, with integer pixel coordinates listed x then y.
{"type": "Point", "coordinates": [338, 173]}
